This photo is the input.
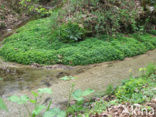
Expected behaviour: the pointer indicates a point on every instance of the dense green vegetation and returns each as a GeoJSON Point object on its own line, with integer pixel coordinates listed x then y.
{"type": "Point", "coordinates": [34, 43]}
{"type": "Point", "coordinates": [81, 32]}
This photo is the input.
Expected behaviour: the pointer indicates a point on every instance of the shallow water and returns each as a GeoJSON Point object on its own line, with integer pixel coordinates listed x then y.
{"type": "Point", "coordinates": [15, 77]}
{"type": "Point", "coordinates": [20, 79]}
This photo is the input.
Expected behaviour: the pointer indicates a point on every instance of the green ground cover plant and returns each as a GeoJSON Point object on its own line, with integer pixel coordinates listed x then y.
{"type": "Point", "coordinates": [35, 43]}
{"type": "Point", "coordinates": [3, 105]}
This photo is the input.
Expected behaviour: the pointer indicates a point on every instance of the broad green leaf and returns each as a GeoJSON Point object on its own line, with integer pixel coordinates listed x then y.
{"type": "Point", "coordinates": [38, 109]}
{"type": "Point", "coordinates": [65, 78]}
{"type": "Point", "coordinates": [142, 69]}
{"type": "Point", "coordinates": [87, 92]}
{"type": "Point", "coordinates": [114, 102]}
{"type": "Point", "coordinates": [24, 99]}
{"type": "Point", "coordinates": [35, 94]}
{"type": "Point", "coordinates": [14, 98]}
{"type": "Point", "coordinates": [19, 100]}
{"type": "Point", "coordinates": [77, 95]}
{"type": "Point", "coordinates": [33, 101]}
{"type": "Point", "coordinates": [1, 78]}
{"type": "Point", "coordinates": [45, 90]}
{"type": "Point", "coordinates": [56, 112]}
{"type": "Point", "coordinates": [3, 105]}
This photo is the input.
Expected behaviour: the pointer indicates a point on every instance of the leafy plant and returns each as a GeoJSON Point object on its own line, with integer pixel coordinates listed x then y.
{"type": "Point", "coordinates": [56, 112]}
{"type": "Point", "coordinates": [23, 100]}
{"type": "Point", "coordinates": [137, 90]}
{"type": "Point", "coordinates": [19, 100]}
{"type": "Point", "coordinates": [131, 89]}
{"type": "Point", "coordinates": [31, 6]}
{"type": "Point", "coordinates": [110, 90]}
{"type": "Point", "coordinates": [150, 69]}
{"type": "Point", "coordinates": [102, 105]}
{"type": "Point", "coordinates": [70, 32]}
{"type": "Point", "coordinates": [79, 95]}
{"type": "Point", "coordinates": [3, 105]}
{"type": "Point", "coordinates": [67, 78]}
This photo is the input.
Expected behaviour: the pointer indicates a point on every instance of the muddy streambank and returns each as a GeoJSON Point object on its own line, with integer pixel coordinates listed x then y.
{"type": "Point", "coordinates": [12, 28]}
{"type": "Point", "coordinates": [97, 77]}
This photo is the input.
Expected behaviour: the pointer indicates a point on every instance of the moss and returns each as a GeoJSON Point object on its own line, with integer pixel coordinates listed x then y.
{"type": "Point", "coordinates": [30, 44]}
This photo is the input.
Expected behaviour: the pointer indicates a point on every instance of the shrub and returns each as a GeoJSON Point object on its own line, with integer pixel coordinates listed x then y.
{"type": "Point", "coordinates": [70, 32]}
{"type": "Point", "coordinates": [101, 16]}
{"type": "Point", "coordinates": [152, 32]}
{"type": "Point", "coordinates": [31, 7]}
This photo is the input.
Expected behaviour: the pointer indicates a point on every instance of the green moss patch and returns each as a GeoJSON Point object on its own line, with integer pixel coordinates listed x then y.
{"type": "Point", "coordinates": [32, 44]}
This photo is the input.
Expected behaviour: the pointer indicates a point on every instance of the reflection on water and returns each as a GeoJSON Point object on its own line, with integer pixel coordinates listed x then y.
{"type": "Point", "coordinates": [20, 77]}
{"type": "Point", "coordinates": [14, 79]}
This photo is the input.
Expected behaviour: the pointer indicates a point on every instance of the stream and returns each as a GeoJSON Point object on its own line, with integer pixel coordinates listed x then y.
{"type": "Point", "coordinates": [21, 79]}
{"type": "Point", "coordinates": [17, 79]}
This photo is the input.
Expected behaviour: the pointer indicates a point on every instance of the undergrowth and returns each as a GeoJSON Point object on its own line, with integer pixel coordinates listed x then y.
{"type": "Point", "coordinates": [33, 43]}
{"type": "Point", "coordinates": [135, 90]}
